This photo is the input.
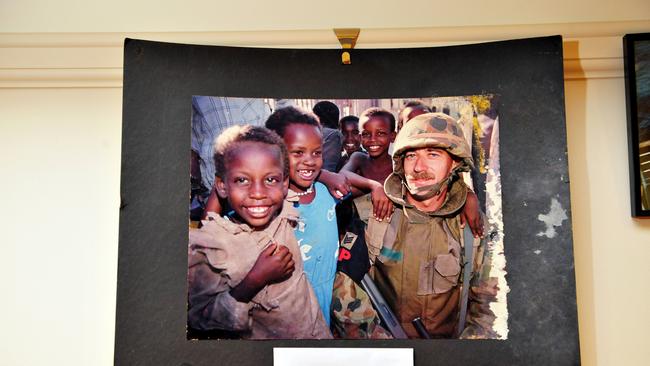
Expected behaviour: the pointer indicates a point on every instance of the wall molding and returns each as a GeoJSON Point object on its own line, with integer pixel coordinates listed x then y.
{"type": "Point", "coordinates": [94, 60]}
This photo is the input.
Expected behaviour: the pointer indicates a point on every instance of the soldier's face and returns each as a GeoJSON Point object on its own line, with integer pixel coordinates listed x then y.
{"type": "Point", "coordinates": [427, 166]}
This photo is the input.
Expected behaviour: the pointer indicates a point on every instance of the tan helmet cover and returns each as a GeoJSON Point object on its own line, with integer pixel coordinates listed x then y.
{"type": "Point", "coordinates": [432, 130]}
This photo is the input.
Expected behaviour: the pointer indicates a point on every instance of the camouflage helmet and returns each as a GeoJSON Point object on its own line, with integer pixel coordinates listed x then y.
{"type": "Point", "coordinates": [432, 130]}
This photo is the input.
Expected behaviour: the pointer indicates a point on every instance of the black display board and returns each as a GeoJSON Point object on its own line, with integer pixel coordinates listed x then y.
{"type": "Point", "coordinates": [161, 78]}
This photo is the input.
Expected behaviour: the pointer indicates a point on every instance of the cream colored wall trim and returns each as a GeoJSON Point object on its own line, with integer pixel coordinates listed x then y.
{"type": "Point", "coordinates": [32, 60]}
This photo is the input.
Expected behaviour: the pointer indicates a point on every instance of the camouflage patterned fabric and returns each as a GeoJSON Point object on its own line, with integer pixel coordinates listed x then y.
{"type": "Point", "coordinates": [432, 130]}
{"type": "Point", "coordinates": [353, 314]}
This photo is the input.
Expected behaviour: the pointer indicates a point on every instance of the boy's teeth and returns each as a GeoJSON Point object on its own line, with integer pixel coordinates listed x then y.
{"type": "Point", "coordinates": [259, 209]}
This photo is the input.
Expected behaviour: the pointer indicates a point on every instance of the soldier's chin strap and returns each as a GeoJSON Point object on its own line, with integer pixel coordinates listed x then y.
{"type": "Point", "coordinates": [432, 190]}
{"type": "Point", "coordinates": [428, 191]}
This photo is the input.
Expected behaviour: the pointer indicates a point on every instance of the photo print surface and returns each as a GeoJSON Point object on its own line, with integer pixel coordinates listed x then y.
{"type": "Point", "coordinates": [346, 219]}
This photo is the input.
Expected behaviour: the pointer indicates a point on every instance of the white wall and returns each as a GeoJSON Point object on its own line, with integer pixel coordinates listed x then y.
{"type": "Point", "coordinates": [611, 249]}
{"type": "Point", "coordinates": [60, 128]}
{"type": "Point", "coordinates": [59, 193]}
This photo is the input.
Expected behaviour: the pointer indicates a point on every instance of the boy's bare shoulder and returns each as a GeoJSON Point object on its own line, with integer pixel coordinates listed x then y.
{"type": "Point", "coordinates": [359, 157]}
{"type": "Point", "coordinates": [354, 162]}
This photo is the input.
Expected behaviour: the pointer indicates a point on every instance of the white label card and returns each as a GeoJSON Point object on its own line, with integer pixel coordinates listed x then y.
{"type": "Point", "coordinates": [343, 356]}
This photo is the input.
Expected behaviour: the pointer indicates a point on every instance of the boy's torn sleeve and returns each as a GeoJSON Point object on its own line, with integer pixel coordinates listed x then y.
{"type": "Point", "coordinates": [213, 270]}
{"type": "Point", "coordinates": [210, 304]}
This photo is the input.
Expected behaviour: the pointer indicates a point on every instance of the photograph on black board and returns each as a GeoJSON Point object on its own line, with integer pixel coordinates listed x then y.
{"type": "Point", "coordinates": [346, 219]}
{"type": "Point", "coordinates": [165, 312]}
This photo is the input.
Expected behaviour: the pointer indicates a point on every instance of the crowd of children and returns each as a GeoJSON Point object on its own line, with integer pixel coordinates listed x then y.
{"type": "Point", "coordinates": [270, 260]}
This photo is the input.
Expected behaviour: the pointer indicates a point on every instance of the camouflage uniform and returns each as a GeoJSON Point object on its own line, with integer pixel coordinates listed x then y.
{"type": "Point", "coordinates": [418, 256]}
{"type": "Point", "coordinates": [353, 316]}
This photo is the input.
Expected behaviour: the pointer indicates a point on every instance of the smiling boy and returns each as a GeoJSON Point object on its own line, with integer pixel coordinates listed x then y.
{"type": "Point", "coordinates": [245, 269]}
{"type": "Point", "coordinates": [254, 183]}
{"type": "Point", "coordinates": [377, 126]}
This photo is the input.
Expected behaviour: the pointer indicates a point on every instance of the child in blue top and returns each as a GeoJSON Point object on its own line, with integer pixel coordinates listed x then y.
{"type": "Point", "coordinates": [317, 231]}
{"type": "Point", "coordinates": [317, 235]}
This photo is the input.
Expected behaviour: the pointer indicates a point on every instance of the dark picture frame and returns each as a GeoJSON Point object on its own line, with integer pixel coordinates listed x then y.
{"type": "Point", "coordinates": [161, 78]}
{"type": "Point", "coordinates": [637, 96]}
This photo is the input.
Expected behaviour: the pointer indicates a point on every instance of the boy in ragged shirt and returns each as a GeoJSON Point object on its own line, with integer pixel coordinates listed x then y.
{"type": "Point", "coordinates": [245, 269]}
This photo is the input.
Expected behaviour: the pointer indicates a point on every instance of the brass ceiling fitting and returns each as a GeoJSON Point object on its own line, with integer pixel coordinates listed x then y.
{"type": "Point", "coordinates": [348, 39]}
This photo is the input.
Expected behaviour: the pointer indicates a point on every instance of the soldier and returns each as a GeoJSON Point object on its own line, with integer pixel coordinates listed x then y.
{"type": "Point", "coordinates": [418, 256]}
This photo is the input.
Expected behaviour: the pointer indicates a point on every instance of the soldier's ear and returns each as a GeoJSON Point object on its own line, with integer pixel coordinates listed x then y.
{"type": "Point", "coordinates": [392, 136]}
{"type": "Point", "coordinates": [455, 162]}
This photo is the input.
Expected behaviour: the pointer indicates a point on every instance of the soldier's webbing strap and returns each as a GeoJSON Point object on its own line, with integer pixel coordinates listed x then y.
{"type": "Point", "coordinates": [467, 276]}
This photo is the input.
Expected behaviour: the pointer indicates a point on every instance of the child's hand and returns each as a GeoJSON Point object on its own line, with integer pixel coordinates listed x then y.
{"type": "Point", "coordinates": [271, 266]}
{"type": "Point", "coordinates": [382, 207]}
{"type": "Point", "coordinates": [337, 184]}
{"type": "Point", "coordinates": [471, 215]}
{"type": "Point", "coordinates": [274, 264]}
